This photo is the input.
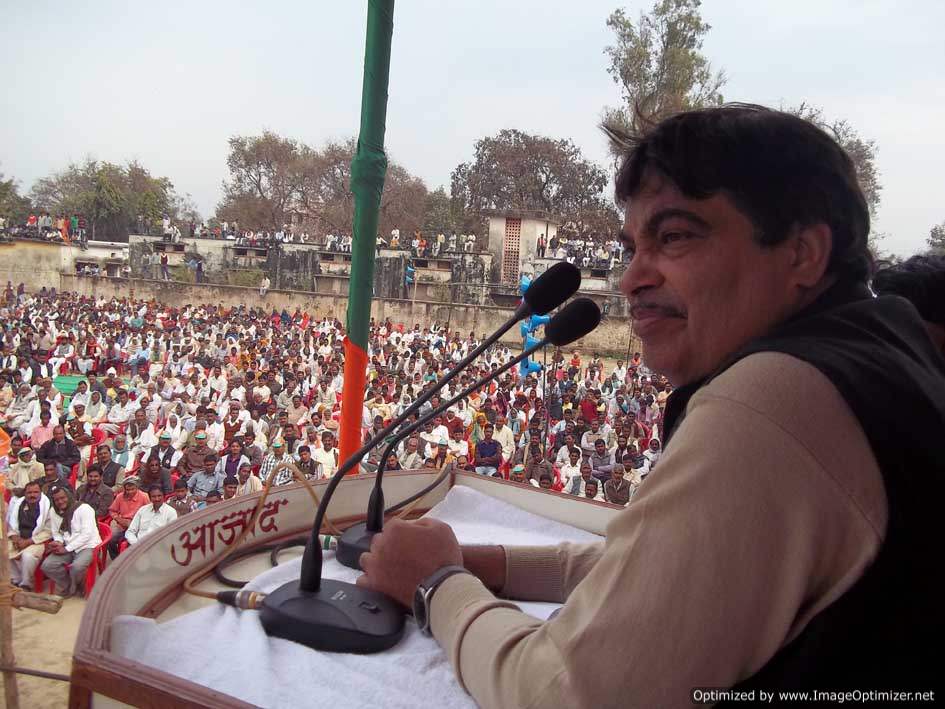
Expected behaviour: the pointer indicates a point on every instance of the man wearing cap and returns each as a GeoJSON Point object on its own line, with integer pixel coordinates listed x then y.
{"type": "Point", "coordinates": [195, 454]}
{"type": "Point", "coordinates": [168, 456]}
{"type": "Point", "coordinates": [25, 468]}
{"type": "Point", "coordinates": [277, 455]}
{"type": "Point", "coordinates": [122, 511]}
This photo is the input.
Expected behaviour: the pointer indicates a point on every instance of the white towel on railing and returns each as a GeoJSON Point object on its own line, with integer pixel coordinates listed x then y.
{"type": "Point", "coordinates": [225, 649]}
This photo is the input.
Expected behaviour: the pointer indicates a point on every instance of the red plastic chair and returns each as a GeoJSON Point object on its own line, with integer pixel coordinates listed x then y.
{"type": "Point", "coordinates": [96, 567]}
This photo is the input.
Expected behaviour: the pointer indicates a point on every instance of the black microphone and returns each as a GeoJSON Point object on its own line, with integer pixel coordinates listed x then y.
{"type": "Point", "coordinates": [325, 614]}
{"type": "Point", "coordinates": [574, 321]}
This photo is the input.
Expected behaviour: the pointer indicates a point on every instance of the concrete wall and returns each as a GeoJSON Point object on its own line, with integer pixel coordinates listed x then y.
{"type": "Point", "coordinates": [611, 337]}
{"type": "Point", "coordinates": [38, 264]}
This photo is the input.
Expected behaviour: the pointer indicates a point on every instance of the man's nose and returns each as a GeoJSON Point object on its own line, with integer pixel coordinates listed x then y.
{"type": "Point", "coordinates": [641, 273]}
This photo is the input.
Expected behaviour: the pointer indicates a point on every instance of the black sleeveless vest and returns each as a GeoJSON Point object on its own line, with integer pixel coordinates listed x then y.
{"type": "Point", "coordinates": [883, 633]}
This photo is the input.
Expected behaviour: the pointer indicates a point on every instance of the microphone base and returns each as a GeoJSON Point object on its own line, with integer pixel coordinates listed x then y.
{"type": "Point", "coordinates": [353, 542]}
{"type": "Point", "coordinates": [339, 617]}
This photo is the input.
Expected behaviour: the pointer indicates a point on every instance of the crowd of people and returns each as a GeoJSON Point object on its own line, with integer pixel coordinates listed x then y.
{"type": "Point", "coordinates": [585, 252]}
{"type": "Point", "coordinates": [177, 408]}
{"type": "Point", "coordinates": [42, 225]}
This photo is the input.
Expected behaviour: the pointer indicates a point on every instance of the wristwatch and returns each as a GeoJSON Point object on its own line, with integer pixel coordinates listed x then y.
{"type": "Point", "coordinates": [424, 594]}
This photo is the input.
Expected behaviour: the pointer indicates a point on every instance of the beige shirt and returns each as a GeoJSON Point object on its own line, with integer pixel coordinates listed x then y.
{"type": "Point", "coordinates": [767, 505]}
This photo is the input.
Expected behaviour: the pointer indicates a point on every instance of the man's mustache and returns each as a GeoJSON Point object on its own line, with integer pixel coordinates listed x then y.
{"type": "Point", "coordinates": [645, 308]}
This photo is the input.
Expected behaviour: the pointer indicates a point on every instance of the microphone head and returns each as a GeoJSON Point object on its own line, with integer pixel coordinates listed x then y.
{"type": "Point", "coordinates": [552, 288]}
{"type": "Point", "coordinates": [572, 322]}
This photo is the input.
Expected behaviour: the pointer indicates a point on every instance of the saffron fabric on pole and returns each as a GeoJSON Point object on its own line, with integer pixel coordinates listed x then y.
{"type": "Point", "coordinates": [367, 183]}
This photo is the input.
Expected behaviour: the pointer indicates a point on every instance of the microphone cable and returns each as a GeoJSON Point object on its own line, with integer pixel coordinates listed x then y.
{"type": "Point", "coordinates": [276, 549]}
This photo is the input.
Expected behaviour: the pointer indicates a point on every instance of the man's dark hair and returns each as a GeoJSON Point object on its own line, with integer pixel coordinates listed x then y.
{"type": "Point", "coordinates": [181, 484]}
{"type": "Point", "coordinates": [154, 487]}
{"type": "Point", "coordinates": [920, 280]}
{"type": "Point", "coordinates": [780, 170]}
{"type": "Point", "coordinates": [230, 480]}
{"type": "Point", "coordinates": [210, 458]}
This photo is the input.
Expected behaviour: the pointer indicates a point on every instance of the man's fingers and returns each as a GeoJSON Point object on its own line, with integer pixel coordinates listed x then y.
{"type": "Point", "coordinates": [364, 581]}
{"type": "Point", "coordinates": [365, 561]}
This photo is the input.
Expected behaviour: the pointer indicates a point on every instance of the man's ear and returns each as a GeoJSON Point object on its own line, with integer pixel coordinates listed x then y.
{"type": "Point", "coordinates": [810, 248]}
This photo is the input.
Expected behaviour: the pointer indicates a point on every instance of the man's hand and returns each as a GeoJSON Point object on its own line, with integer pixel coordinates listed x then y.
{"type": "Point", "coordinates": [56, 548]}
{"type": "Point", "coordinates": [405, 553]}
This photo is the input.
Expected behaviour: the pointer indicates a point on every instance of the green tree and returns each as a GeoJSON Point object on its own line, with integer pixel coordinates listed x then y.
{"type": "Point", "coordinates": [936, 240]}
{"type": "Point", "coordinates": [658, 65]}
{"type": "Point", "coordinates": [276, 180]}
{"type": "Point", "coordinates": [518, 171]}
{"type": "Point", "coordinates": [438, 212]}
{"type": "Point", "coordinates": [14, 207]}
{"type": "Point", "coordinates": [116, 199]}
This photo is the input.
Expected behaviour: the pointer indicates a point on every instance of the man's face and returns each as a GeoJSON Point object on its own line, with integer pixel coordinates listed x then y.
{"type": "Point", "coordinates": [60, 499]}
{"type": "Point", "coordinates": [590, 488]}
{"type": "Point", "coordinates": [209, 466]}
{"type": "Point", "coordinates": [58, 434]}
{"type": "Point", "coordinates": [104, 456]}
{"type": "Point", "coordinates": [32, 494]}
{"type": "Point", "coordinates": [229, 491]}
{"type": "Point", "coordinates": [156, 497]}
{"type": "Point", "coordinates": [699, 286]}
{"type": "Point", "coordinates": [130, 490]}
{"type": "Point", "coordinates": [328, 440]}
{"type": "Point", "coordinates": [412, 445]}
{"type": "Point", "coordinates": [50, 471]}
{"type": "Point", "coordinates": [305, 456]}
{"type": "Point", "coordinates": [94, 478]}
{"type": "Point", "coordinates": [488, 432]}
{"type": "Point", "coordinates": [180, 493]}
{"type": "Point", "coordinates": [600, 448]}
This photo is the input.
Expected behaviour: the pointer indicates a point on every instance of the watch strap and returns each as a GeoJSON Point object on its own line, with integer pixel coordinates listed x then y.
{"type": "Point", "coordinates": [428, 587]}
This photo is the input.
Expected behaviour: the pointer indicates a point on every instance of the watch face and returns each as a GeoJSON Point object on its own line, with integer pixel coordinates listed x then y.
{"type": "Point", "coordinates": [419, 608]}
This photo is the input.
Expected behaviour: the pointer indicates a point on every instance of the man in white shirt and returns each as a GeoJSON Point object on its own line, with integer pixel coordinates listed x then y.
{"type": "Point", "coordinates": [120, 413]}
{"type": "Point", "coordinates": [327, 455]}
{"type": "Point", "coordinates": [75, 536]}
{"type": "Point", "coordinates": [503, 434]}
{"type": "Point", "coordinates": [456, 445]}
{"type": "Point", "coordinates": [151, 517]}
{"type": "Point", "coordinates": [27, 532]}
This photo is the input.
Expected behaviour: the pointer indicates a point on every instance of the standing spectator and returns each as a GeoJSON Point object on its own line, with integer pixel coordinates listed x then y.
{"type": "Point", "coordinates": [165, 273]}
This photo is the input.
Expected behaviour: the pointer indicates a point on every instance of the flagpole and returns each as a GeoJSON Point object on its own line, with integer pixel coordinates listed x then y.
{"type": "Point", "coordinates": [367, 183]}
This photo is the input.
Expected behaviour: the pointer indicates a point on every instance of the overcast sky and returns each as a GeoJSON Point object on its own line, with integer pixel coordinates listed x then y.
{"type": "Point", "coordinates": [167, 83]}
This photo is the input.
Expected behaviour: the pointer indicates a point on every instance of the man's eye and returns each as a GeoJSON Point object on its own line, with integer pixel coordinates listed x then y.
{"type": "Point", "coordinates": [672, 236]}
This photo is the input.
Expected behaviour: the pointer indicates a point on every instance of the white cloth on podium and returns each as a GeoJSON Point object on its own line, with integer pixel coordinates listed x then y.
{"type": "Point", "coordinates": [227, 650]}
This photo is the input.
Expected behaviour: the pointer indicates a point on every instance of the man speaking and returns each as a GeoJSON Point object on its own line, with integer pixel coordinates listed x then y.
{"type": "Point", "coordinates": [788, 539]}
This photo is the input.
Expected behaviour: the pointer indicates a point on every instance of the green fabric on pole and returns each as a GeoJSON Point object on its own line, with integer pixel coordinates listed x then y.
{"type": "Point", "coordinates": [369, 167]}
{"type": "Point", "coordinates": [367, 184]}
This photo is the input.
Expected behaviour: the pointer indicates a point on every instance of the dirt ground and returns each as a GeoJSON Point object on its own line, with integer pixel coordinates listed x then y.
{"type": "Point", "coordinates": [44, 642]}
